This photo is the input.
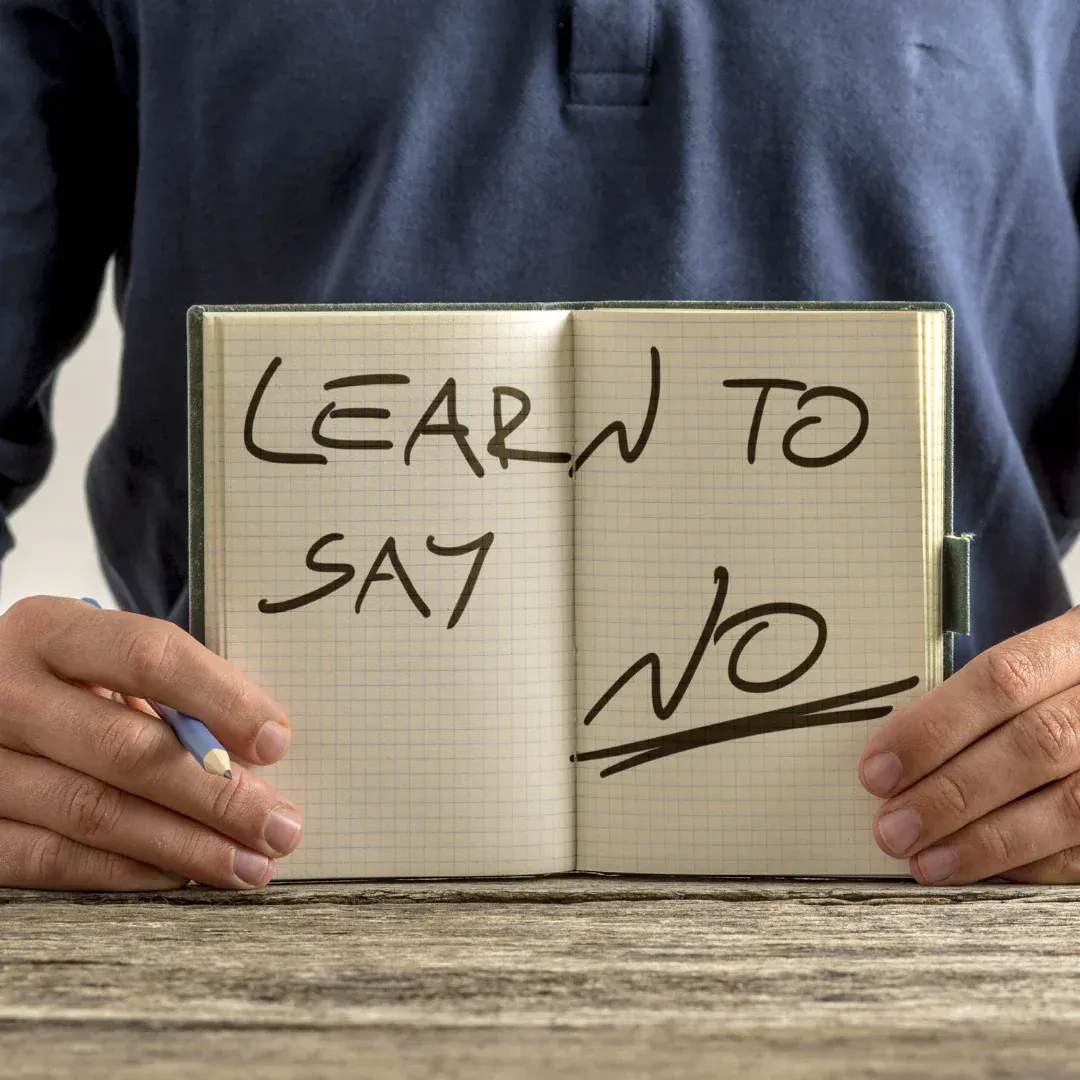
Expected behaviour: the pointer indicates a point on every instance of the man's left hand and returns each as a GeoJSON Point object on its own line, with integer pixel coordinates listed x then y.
{"type": "Point", "coordinates": [985, 777]}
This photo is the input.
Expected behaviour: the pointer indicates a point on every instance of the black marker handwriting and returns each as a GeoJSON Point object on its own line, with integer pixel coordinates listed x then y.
{"type": "Point", "coordinates": [629, 454]}
{"type": "Point", "coordinates": [503, 428]}
{"type": "Point", "coordinates": [346, 570]}
{"type": "Point", "coordinates": [366, 380]}
{"type": "Point", "coordinates": [497, 445]}
{"type": "Point", "coordinates": [481, 545]}
{"type": "Point", "coordinates": [249, 427]}
{"type": "Point", "coordinates": [715, 629]}
{"type": "Point", "coordinates": [332, 412]}
{"type": "Point", "coordinates": [806, 421]}
{"type": "Point", "coordinates": [452, 427]}
{"type": "Point", "coordinates": [807, 462]}
{"type": "Point", "coordinates": [822, 712]}
{"type": "Point", "coordinates": [759, 409]}
{"type": "Point", "coordinates": [388, 552]}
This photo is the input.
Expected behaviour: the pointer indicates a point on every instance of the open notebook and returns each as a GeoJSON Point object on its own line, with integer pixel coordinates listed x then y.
{"type": "Point", "coordinates": [599, 587]}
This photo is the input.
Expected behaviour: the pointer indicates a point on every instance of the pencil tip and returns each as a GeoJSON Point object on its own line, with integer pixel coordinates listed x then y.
{"type": "Point", "coordinates": [218, 763]}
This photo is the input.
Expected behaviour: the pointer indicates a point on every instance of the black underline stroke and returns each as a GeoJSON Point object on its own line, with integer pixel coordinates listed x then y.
{"type": "Point", "coordinates": [790, 718]}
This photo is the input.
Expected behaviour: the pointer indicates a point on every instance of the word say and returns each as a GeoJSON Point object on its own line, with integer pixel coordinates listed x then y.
{"type": "Point", "coordinates": [387, 553]}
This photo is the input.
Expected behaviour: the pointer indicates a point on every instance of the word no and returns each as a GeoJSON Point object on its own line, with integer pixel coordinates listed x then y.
{"type": "Point", "coordinates": [825, 711]}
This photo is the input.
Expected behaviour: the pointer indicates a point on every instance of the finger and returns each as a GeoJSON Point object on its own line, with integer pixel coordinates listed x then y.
{"type": "Point", "coordinates": [35, 858]}
{"type": "Point", "coordinates": [94, 688]}
{"type": "Point", "coordinates": [1061, 868]}
{"type": "Point", "coordinates": [139, 754]}
{"type": "Point", "coordinates": [144, 706]}
{"type": "Point", "coordinates": [97, 817]}
{"type": "Point", "coordinates": [133, 702]}
{"type": "Point", "coordinates": [994, 687]}
{"type": "Point", "coordinates": [1033, 749]}
{"type": "Point", "coordinates": [151, 658]}
{"type": "Point", "coordinates": [1026, 831]}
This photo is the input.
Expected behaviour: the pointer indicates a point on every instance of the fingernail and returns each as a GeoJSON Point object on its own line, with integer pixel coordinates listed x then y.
{"type": "Point", "coordinates": [881, 773]}
{"type": "Point", "coordinates": [282, 831]}
{"type": "Point", "coordinates": [937, 863]}
{"type": "Point", "coordinates": [272, 742]}
{"type": "Point", "coordinates": [899, 829]}
{"type": "Point", "coordinates": [249, 866]}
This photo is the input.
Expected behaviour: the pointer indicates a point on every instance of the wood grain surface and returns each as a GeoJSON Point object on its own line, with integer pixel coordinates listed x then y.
{"type": "Point", "coordinates": [588, 976]}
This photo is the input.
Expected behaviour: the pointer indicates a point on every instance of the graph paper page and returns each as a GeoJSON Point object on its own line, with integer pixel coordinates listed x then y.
{"type": "Point", "coordinates": [690, 538]}
{"type": "Point", "coordinates": [418, 749]}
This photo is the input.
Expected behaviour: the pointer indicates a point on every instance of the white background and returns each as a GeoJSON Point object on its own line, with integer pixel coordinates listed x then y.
{"type": "Point", "coordinates": [54, 551]}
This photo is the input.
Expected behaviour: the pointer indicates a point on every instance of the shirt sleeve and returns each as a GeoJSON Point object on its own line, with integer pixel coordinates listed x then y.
{"type": "Point", "coordinates": [1057, 432]}
{"type": "Point", "coordinates": [66, 168]}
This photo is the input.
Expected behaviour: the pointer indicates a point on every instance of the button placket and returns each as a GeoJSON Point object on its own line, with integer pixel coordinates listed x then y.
{"type": "Point", "coordinates": [611, 52]}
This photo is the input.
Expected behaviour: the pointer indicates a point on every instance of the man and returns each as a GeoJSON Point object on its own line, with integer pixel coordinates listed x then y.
{"type": "Point", "coordinates": [494, 150]}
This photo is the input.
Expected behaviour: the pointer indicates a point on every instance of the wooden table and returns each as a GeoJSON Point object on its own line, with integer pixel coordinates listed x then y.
{"type": "Point", "coordinates": [565, 976]}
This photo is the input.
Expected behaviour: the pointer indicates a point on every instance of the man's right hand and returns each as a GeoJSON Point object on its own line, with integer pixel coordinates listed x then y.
{"type": "Point", "coordinates": [101, 796]}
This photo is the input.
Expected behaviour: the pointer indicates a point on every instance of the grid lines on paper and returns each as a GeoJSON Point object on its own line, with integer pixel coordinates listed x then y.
{"type": "Point", "coordinates": [417, 749]}
{"type": "Point", "coordinates": [846, 540]}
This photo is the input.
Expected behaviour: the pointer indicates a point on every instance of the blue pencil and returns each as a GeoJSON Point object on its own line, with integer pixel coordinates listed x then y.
{"type": "Point", "coordinates": [194, 735]}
